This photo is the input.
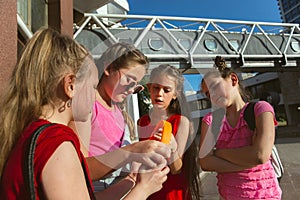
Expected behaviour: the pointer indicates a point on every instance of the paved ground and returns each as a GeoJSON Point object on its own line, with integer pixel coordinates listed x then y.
{"type": "Point", "coordinates": [289, 151]}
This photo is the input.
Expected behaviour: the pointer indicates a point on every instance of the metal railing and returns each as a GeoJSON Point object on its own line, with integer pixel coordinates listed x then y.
{"type": "Point", "coordinates": [243, 43]}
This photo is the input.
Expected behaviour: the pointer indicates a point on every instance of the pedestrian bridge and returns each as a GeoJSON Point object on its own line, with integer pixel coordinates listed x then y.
{"type": "Point", "coordinates": [193, 43]}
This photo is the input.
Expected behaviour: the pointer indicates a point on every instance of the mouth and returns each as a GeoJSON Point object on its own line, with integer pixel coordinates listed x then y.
{"type": "Point", "coordinates": [158, 101]}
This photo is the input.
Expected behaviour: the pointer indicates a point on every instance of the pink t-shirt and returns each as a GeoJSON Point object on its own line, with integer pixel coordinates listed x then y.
{"type": "Point", "coordinates": [107, 129]}
{"type": "Point", "coordinates": [259, 182]}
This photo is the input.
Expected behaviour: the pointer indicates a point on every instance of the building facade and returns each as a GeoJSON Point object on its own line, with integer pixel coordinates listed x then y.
{"type": "Point", "coordinates": [290, 82]}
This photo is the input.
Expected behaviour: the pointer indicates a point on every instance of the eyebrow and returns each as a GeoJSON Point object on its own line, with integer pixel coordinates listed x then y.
{"type": "Point", "coordinates": [132, 76]}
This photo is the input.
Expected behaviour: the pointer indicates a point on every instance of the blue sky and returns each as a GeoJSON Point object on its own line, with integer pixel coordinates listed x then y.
{"type": "Point", "coordinates": [250, 10]}
{"type": "Point", "coordinates": [246, 10]}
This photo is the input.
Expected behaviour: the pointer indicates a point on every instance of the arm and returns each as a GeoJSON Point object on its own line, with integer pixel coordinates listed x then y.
{"type": "Point", "coordinates": [83, 131]}
{"type": "Point", "coordinates": [97, 169]}
{"type": "Point", "coordinates": [181, 139]}
{"type": "Point", "coordinates": [259, 152]}
{"type": "Point", "coordinates": [64, 169]}
{"type": "Point", "coordinates": [117, 191]}
{"type": "Point", "coordinates": [148, 183]}
{"type": "Point", "coordinates": [149, 152]}
{"type": "Point", "coordinates": [209, 161]}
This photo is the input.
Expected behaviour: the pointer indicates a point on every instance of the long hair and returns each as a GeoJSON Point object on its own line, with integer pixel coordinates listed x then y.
{"type": "Point", "coordinates": [35, 82]}
{"type": "Point", "coordinates": [118, 56]}
{"type": "Point", "coordinates": [179, 106]}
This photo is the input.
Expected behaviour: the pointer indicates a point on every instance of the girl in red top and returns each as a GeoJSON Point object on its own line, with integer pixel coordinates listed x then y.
{"type": "Point", "coordinates": [53, 83]}
{"type": "Point", "coordinates": [166, 92]}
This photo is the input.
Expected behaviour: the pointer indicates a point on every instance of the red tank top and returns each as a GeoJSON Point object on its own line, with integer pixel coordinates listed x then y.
{"type": "Point", "coordinates": [175, 188]}
{"type": "Point", "coordinates": [14, 179]}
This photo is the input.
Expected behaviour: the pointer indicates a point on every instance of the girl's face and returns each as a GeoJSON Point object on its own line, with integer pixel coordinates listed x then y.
{"type": "Point", "coordinates": [123, 82]}
{"type": "Point", "coordinates": [162, 91]}
{"type": "Point", "coordinates": [85, 93]}
{"type": "Point", "coordinates": [218, 90]}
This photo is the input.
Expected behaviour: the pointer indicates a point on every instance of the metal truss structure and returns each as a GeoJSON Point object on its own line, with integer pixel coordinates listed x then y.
{"type": "Point", "coordinates": [192, 43]}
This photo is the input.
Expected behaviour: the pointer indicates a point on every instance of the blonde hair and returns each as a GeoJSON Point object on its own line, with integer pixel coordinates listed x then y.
{"type": "Point", "coordinates": [119, 56]}
{"type": "Point", "coordinates": [35, 81]}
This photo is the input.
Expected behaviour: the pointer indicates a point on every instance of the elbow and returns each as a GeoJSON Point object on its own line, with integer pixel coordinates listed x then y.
{"type": "Point", "coordinates": [262, 158]}
{"type": "Point", "coordinates": [204, 166]}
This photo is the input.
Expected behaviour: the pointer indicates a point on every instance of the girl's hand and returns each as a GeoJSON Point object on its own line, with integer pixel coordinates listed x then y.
{"type": "Point", "coordinates": [150, 182]}
{"type": "Point", "coordinates": [152, 154]}
{"type": "Point", "coordinates": [157, 135]}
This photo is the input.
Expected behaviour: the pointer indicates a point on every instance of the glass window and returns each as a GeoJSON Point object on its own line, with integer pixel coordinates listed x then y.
{"type": "Point", "coordinates": [156, 44]}
{"type": "Point", "coordinates": [295, 46]}
{"type": "Point", "coordinates": [210, 45]}
{"type": "Point", "coordinates": [23, 10]}
{"type": "Point", "coordinates": [235, 44]}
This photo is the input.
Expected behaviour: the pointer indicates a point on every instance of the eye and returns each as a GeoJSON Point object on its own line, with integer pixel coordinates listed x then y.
{"type": "Point", "coordinates": [167, 90]}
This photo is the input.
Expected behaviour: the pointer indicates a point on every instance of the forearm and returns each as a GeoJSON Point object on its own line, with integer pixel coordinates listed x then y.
{"type": "Point", "coordinates": [216, 164]}
{"type": "Point", "coordinates": [116, 191]}
{"type": "Point", "coordinates": [100, 166]}
{"type": "Point", "coordinates": [136, 193]}
{"type": "Point", "coordinates": [248, 156]}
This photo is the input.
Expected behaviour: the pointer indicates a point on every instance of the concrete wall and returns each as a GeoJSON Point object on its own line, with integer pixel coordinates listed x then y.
{"type": "Point", "coordinates": [8, 40]}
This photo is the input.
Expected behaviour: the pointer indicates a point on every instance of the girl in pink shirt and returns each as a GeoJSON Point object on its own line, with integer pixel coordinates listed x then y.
{"type": "Point", "coordinates": [240, 156]}
{"type": "Point", "coordinates": [109, 149]}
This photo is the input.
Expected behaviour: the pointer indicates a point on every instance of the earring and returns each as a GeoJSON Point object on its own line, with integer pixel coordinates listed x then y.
{"type": "Point", "coordinates": [65, 104]}
{"type": "Point", "coordinates": [69, 103]}
{"type": "Point", "coordinates": [62, 108]}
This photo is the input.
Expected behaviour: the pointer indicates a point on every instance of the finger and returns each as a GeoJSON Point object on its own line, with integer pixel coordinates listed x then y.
{"type": "Point", "coordinates": [135, 167]}
{"type": "Point", "coordinates": [162, 149]}
{"type": "Point", "coordinates": [157, 137]}
{"type": "Point", "coordinates": [153, 162]}
{"type": "Point", "coordinates": [165, 170]}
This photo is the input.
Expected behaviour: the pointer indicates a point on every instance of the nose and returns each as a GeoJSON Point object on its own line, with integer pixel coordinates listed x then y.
{"type": "Point", "coordinates": [160, 91]}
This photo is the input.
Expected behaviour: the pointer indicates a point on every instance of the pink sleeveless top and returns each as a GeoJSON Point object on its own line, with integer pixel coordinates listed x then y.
{"type": "Point", "coordinates": [259, 182]}
{"type": "Point", "coordinates": [107, 129]}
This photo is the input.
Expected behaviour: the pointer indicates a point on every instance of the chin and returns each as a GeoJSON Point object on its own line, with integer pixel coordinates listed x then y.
{"type": "Point", "coordinates": [119, 99]}
{"type": "Point", "coordinates": [158, 105]}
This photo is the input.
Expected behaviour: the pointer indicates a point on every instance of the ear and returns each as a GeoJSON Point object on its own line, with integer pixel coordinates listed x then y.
{"type": "Point", "coordinates": [174, 96]}
{"type": "Point", "coordinates": [234, 78]}
{"type": "Point", "coordinates": [107, 69]}
{"type": "Point", "coordinates": [69, 85]}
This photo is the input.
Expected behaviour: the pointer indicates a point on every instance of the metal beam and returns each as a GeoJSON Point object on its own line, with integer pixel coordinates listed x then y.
{"type": "Point", "coordinates": [260, 44]}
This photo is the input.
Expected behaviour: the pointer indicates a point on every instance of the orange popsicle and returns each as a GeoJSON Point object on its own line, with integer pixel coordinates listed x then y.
{"type": "Point", "coordinates": [167, 132]}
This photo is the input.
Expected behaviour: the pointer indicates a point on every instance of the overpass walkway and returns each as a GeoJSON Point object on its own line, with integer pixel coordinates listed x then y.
{"type": "Point", "coordinates": [193, 43]}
